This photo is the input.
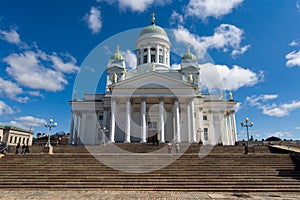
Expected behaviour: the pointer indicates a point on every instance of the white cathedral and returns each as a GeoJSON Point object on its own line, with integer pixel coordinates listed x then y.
{"type": "Point", "coordinates": [153, 101]}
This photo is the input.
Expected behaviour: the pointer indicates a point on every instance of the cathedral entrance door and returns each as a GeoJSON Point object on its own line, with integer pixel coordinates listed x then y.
{"type": "Point", "coordinates": [153, 134]}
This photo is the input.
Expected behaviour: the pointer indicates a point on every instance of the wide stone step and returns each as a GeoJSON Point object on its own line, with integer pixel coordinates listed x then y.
{"type": "Point", "coordinates": [223, 169]}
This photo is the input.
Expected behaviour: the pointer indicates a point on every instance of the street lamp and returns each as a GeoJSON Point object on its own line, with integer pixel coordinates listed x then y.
{"type": "Point", "coordinates": [50, 126]}
{"type": "Point", "coordinates": [247, 127]}
{"type": "Point", "coordinates": [104, 130]}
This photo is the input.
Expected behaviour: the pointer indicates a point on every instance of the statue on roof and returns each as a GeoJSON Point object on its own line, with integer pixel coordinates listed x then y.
{"type": "Point", "coordinates": [153, 18]}
{"type": "Point", "coordinates": [115, 78]}
{"type": "Point", "coordinates": [190, 78]}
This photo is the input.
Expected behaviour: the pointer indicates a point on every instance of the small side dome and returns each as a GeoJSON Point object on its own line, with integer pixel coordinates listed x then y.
{"type": "Point", "coordinates": [117, 55]}
{"type": "Point", "coordinates": [189, 55]}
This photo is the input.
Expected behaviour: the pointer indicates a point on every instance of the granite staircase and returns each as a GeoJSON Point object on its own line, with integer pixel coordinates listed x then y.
{"type": "Point", "coordinates": [200, 168]}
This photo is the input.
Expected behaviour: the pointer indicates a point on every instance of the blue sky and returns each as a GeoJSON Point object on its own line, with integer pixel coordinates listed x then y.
{"type": "Point", "coordinates": [255, 46]}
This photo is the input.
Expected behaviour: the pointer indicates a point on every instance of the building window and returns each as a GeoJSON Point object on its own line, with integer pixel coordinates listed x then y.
{"type": "Point", "coordinates": [27, 141]}
{"type": "Point", "coordinates": [145, 50]}
{"type": "Point", "coordinates": [11, 139]}
{"type": "Point", "coordinates": [15, 140]}
{"type": "Point", "coordinates": [205, 133]}
{"type": "Point", "coordinates": [101, 117]}
{"type": "Point", "coordinates": [204, 117]}
{"type": "Point", "coordinates": [0, 138]}
{"type": "Point", "coordinates": [153, 58]}
{"type": "Point", "coordinates": [161, 59]}
{"type": "Point", "coordinates": [145, 59]}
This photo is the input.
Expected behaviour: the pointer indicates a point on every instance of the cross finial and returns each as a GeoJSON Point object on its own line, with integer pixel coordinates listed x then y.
{"type": "Point", "coordinates": [188, 47]}
{"type": "Point", "coordinates": [118, 48]}
{"type": "Point", "coordinates": [153, 18]}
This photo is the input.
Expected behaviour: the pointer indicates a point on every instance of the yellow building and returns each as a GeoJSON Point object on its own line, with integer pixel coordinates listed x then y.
{"type": "Point", "coordinates": [14, 135]}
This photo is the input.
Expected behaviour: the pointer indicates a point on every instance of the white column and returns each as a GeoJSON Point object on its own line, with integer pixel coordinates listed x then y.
{"type": "Point", "coordinates": [168, 57]}
{"type": "Point", "coordinates": [82, 128]}
{"type": "Point", "coordinates": [72, 129]}
{"type": "Point", "coordinates": [149, 54]}
{"type": "Point", "coordinates": [188, 109]}
{"type": "Point", "coordinates": [211, 130]}
{"type": "Point", "coordinates": [157, 54]}
{"type": "Point", "coordinates": [143, 120]}
{"type": "Point", "coordinates": [77, 129]}
{"type": "Point", "coordinates": [174, 123]}
{"type": "Point", "coordinates": [107, 82]}
{"type": "Point", "coordinates": [164, 55]}
{"type": "Point", "coordinates": [128, 118]}
{"type": "Point", "coordinates": [177, 118]}
{"type": "Point", "coordinates": [225, 130]}
{"type": "Point", "coordinates": [193, 128]}
{"type": "Point", "coordinates": [113, 120]}
{"type": "Point", "coordinates": [229, 133]}
{"type": "Point", "coordinates": [161, 120]}
{"type": "Point", "coordinates": [233, 122]}
{"type": "Point", "coordinates": [105, 119]}
{"type": "Point", "coordinates": [200, 127]}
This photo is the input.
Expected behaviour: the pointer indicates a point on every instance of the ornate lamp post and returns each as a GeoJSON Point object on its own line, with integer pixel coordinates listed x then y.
{"type": "Point", "coordinates": [247, 127]}
{"type": "Point", "coordinates": [48, 148]}
{"type": "Point", "coordinates": [104, 130]}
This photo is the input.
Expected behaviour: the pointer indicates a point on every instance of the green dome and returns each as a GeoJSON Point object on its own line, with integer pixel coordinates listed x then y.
{"type": "Point", "coordinates": [190, 56]}
{"type": "Point", "coordinates": [153, 29]}
{"type": "Point", "coordinates": [117, 55]}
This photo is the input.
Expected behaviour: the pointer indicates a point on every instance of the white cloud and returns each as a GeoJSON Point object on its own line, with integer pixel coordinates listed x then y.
{"type": "Point", "coordinates": [293, 59]}
{"type": "Point", "coordinates": [68, 65]}
{"type": "Point", "coordinates": [225, 37]}
{"type": "Point", "coordinates": [93, 20]}
{"type": "Point", "coordinates": [222, 77]}
{"type": "Point", "coordinates": [211, 8]}
{"type": "Point", "coordinates": [237, 106]}
{"type": "Point", "coordinates": [136, 6]}
{"type": "Point", "coordinates": [141, 5]}
{"type": "Point", "coordinates": [273, 109]}
{"type": "Point", "coordinates": [130, 59]}
{"type": "Point", "coordinates": [35, 93]}
{"type": "Point", "coordinates": [5, 109]}
{"type": "Point", "coordinates": [9, 88]}
{"type": "Point", "coordinates": [298, 5]}
{"type": "Point", "coordinates": [27, 122]}
{"type": "Point", "coordinates": [10, 36]}
{"type": "Point", "coordinates": [176, 18]}
{"type": "Point", "coordinates": [237, 52]}
{"type": "Point", "coordinates": [28, 70]}
{"type": "Point", "coordinates": [12, 90]}
{"type": "Point", "coordinates": [176, 66]}
{"type": "Point", "coordinates": [294, 43]}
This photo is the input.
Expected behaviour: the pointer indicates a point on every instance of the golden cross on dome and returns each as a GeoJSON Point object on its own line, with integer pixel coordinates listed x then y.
{"type": "Point", "coordinates": [153, 18]}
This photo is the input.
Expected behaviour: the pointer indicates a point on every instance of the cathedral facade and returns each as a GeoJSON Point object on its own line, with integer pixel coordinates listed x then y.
{"type": "Point", "coordinates": [153, 101]}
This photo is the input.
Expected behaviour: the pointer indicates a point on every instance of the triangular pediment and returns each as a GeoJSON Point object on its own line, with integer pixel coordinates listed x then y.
{"type": "Point", "coordinates": [153, 80]}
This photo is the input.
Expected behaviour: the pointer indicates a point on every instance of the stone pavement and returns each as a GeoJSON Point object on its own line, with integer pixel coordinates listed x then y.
{"type": "Point", "coordinates": [104, 194]}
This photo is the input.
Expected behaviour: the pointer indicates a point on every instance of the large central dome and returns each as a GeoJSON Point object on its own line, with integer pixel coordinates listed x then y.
{"type": "Point", "coordinates": [153, 48]}
{"type": "Point", "coordinates": [152, 29]}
